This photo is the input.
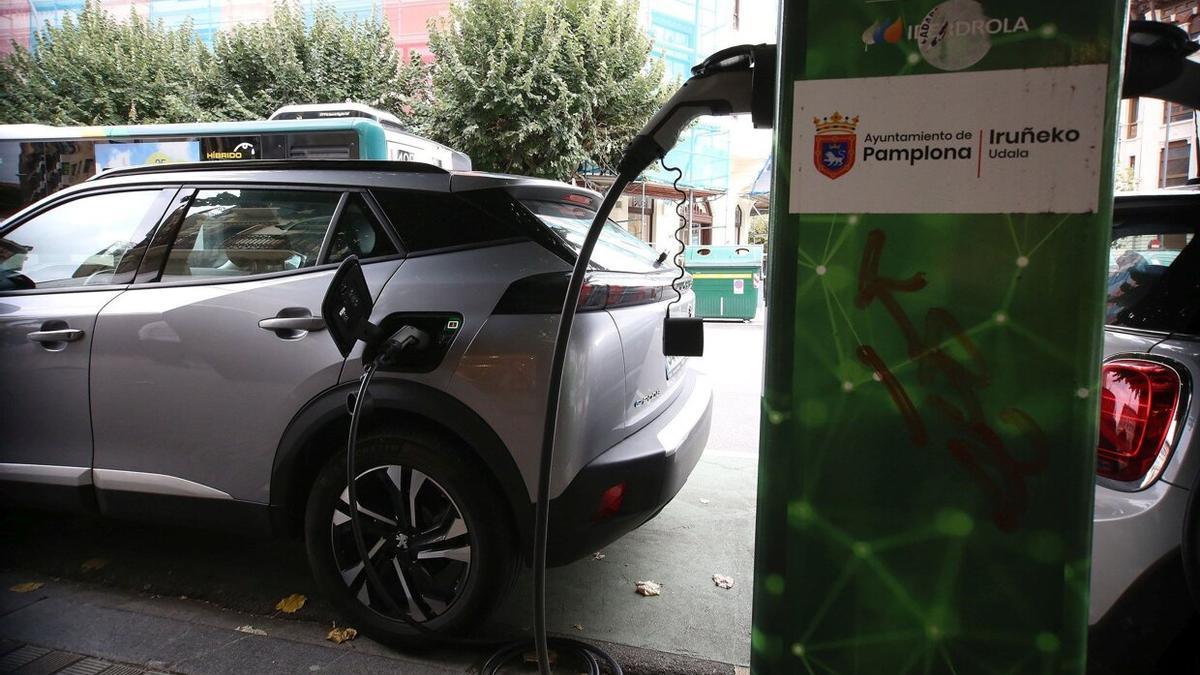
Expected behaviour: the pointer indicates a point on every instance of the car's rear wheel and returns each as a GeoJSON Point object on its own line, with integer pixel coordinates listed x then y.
{"type": "Point", "coordinates": [435, 533]}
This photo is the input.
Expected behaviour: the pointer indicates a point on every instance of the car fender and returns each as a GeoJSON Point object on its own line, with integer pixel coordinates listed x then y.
{"type": "Point", "coordinates": [294, 458]}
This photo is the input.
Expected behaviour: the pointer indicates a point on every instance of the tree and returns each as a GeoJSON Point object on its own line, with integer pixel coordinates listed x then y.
{"type": "Point", "coordinates": [539, 87]}
{"type": "Point", "coordinates": [294, 58]}
{"type": "Point", "coordinates": [93, 69]}
{"type": "Point", "coordinates": [1126, 179]}
{"type": "Point", "coordinates": [758, 229]}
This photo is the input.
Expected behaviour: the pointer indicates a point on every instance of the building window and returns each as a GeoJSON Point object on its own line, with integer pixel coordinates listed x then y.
{"type": "Point", "coordinates": [641, 218]}
{"type": "Point", "coordinates": [1131, 117]}
{"type": "Point", "coordinates": [1174, 163]}
{"type": "Point", "coordinates": [1174, 112]}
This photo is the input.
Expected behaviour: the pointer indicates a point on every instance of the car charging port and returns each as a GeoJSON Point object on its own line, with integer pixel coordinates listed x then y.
{"type": "Point", "coordinates": [423, 354]}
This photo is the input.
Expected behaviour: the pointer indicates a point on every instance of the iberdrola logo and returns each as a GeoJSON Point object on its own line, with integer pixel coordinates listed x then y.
{"type": "Point", "coordinates": [834, 144]}
{"type": "Point", "coordinates": [880, 32]}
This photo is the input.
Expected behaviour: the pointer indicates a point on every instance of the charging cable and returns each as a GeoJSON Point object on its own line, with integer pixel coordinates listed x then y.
{"type": "Point", "coordinates": [402, 340]}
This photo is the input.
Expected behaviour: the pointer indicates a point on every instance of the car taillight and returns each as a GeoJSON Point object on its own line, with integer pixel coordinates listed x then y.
{"type": "Point", "coordinates": [610, 502]}
{"type": "Point", "coordinates": [1139, 406]}
{"type": "Point", "coordinates": [592, 296]}
{"type": "Point", "coordinates": [595, 295]}
{"type": "Point", "coordinates": [543, 293]}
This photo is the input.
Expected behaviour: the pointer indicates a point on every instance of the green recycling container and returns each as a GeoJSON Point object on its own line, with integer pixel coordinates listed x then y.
{"type": "Point", "coordinates": [726, 280]}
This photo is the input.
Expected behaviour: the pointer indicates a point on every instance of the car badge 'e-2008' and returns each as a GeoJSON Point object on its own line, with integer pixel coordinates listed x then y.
{"type": "Point", "coordinates": [647, 398]}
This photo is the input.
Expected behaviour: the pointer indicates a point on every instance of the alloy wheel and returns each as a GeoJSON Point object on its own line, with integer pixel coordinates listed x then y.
{"type": "Point", "coordinates": [416, 539]}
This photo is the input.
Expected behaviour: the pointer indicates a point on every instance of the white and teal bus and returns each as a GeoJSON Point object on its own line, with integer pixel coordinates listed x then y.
{"type": "Point", "coordinates": [37, 160]}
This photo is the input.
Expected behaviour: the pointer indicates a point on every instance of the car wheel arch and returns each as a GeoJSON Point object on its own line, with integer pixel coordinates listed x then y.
{"type": "Point", "coordinates": [319, 429]}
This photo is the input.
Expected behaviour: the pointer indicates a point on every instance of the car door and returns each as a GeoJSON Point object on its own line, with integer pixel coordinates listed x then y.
{"type": "Point", "coordinates": [59, 266]}
{"type": "Point", "coordinates": [198, 368]}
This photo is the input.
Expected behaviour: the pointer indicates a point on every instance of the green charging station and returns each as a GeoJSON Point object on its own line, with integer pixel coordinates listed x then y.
{"type": "Point", "coordinates": [939, 237]}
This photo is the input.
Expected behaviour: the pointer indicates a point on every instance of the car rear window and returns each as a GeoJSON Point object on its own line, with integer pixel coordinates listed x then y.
{"type": "Point", "coordinates": [1154, 281]}
{"type": "Point", "coordinates": [429, 221]}
{"type": "Point", "coordinates": [617, 249]}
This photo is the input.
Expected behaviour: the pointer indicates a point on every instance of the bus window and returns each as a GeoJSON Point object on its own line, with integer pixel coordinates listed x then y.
{"type": "Point", "coordinates": [327, 145]}
{"type": "Point", "coordinates": [318, 152]}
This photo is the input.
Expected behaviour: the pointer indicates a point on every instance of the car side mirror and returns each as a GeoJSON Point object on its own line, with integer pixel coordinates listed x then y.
{"type": "Point", "coordinates": [347, 307]}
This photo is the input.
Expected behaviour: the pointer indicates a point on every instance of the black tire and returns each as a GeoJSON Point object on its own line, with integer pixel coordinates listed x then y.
{"type": "Point", "coordinates": [449, 594]}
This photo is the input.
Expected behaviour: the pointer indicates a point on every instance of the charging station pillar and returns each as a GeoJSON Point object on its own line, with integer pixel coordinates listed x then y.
{"type": "Point", "coordinates": [939, 237]}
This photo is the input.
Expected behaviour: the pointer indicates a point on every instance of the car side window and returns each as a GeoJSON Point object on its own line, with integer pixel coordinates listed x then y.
{"type": "Point", "coordinates": [89, 241]}
{"type": "Point", "coordinates": [358, 233]}
{"type": "Point", "coordinates": [427, 221]}
{"type": "Point", "coordinates": [1154, 281]}
{"type": "Point", "coordinates": [235, 232]}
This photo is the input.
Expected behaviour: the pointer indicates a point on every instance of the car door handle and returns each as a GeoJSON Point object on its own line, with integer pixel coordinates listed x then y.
{"type": "Point", "coordinates": [292, 323]}
{"type": "Point", "coordinates": [305, 323]}
{"type": "Point", "coordinates": [62, 335]}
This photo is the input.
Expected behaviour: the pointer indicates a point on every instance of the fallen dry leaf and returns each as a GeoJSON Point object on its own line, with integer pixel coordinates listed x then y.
{"type": "Point", "coordinates": [704, 501]}
{"type": "Point", "coordinates": [648, 588]}
{"type": "Point", "coordinates": [291, 604]}
{"type": "Point", "coordinates": [251, 630]}
{"type": "Point", "coordinates": [577, 626]}
{"type": "Point", "coordinates": [26, 587]}
{"type": "Point", "coordinates": [340, 635]}
{"type": "Point", "coordinates": [93, 564]}
{"type": "Point", "coordinates": [597, 556]}
{"type": "Point", "coordinates": [723, 581]}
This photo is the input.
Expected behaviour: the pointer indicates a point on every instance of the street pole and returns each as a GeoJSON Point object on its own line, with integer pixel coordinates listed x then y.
{"type": "Point", "coordinates": [931, 398]}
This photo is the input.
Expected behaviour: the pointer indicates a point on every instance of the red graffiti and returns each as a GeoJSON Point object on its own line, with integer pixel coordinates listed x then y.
{"type": "Point", "coordinates": [977, 447]}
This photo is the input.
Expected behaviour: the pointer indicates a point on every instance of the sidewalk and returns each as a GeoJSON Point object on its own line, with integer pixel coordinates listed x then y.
{"type": "Point", "coordinates": [83, 629]}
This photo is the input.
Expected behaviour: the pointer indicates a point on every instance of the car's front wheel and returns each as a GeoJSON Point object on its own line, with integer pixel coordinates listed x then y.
{"type": "Point", "coordinates": [435, 533]}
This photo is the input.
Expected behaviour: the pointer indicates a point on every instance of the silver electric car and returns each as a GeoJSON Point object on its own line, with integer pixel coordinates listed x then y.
{"type": "Point", "coordinates": [163, 357]}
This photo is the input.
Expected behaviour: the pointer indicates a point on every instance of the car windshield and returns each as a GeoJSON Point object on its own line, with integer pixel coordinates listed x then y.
{"type": "Point", "coordinates": [617, 250]}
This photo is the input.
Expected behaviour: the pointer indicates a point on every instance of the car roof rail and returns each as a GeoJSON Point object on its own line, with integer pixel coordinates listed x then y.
{"type": "Point", "coordinates": [276, 165]}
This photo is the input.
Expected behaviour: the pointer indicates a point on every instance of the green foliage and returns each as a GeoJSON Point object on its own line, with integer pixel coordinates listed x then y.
{"type": "Point", "coordinates": [540, 87]}
{"type": "Point", "coordinates": [297, 58]}
{"type": "Point", "coordinates": [523, 86]}
{"type": "Point", "coordinates": [94, 69]}
{"type": "Point", "coordinates": [1126, 179]}
{"type": "Point", "coordinates": [758, 230]}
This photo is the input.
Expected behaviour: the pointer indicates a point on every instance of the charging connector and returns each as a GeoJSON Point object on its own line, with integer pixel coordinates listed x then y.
{"type": "Point", "coordinates": [405, 338]}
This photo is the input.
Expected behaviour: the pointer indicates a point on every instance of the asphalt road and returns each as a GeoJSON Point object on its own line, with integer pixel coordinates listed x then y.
{"type": "Point", "coordinates": [708, 529]}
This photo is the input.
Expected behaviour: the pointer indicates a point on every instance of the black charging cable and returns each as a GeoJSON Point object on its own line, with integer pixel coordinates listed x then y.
{"type": "Point", "coordinates": [400, 341]}
{"type": "Point", "coordinates": [545, 467]}
{"type": "Point", "coordinates": [406, 338]}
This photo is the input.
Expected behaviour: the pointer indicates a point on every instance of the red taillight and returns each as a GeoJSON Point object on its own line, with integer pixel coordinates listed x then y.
{"type": "Point", "coordinates": [594, 295]}
{"type": "Point", "coordinates": [1139, 401]}
{"type": "Point", "coordinates": [610, 502]}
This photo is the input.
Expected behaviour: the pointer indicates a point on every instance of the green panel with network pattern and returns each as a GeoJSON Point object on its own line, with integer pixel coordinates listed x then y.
{"type": "Point", "coordinates": [939, 237]}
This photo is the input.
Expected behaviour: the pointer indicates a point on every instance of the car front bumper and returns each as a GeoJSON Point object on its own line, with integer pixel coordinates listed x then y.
{"type": "Point", "coordinates": [652, 464]}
